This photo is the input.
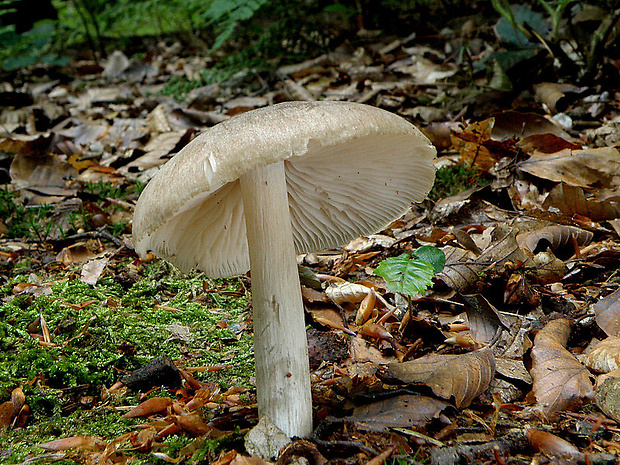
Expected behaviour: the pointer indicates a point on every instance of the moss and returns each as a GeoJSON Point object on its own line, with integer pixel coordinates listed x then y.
{"type": "Point", "coordinates": [101, 332]}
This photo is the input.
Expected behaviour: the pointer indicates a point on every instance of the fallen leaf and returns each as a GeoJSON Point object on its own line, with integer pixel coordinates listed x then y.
{"type": "Point", "coordinates": [463, 377]}
{"type": "Point", "coordinates": [604, 356]}
{"type": "Point", "coordinates": [607, 313]}
{"type": "Point", "coordinates": [554, 236]}
{"type": "Point", "coordinates": [343, 292]}
{"type": "Point", "coordinates": [550, 444]}
{"type": "Point", "coordinates": [579, 168]}
{"type": "Point", "coordinates": [572, 201]}
{"type": "Point", "coordinates": [560, 382]}
{"type": "Point", "coordinates": [84, 442]}
{"type": "Point", "coordinates": [92, 270]}
{"type": "Point", "coordinates": [406, 411]}
{"type": "Point", "coordinates": [608, 397]}
{"type": "Point", "coordinates": [149, 406]}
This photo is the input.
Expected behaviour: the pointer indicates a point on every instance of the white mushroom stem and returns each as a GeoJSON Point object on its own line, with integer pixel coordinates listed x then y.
{"type": "Point", "coordinates": [280, 346]}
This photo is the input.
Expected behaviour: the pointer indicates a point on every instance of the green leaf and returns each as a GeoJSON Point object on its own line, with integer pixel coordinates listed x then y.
{"type": "Point", "coordinates": [432, 255]}
{"type": "Point", "coordinates": [406, 275]}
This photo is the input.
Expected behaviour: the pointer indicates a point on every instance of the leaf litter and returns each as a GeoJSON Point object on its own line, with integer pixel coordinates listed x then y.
{"type": "Point", "coordinates": [501, 351]}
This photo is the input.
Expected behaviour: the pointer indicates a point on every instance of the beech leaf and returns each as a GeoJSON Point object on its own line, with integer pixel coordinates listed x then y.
{"type": "Point", "coordinates": [560, 381]}
{"type": "Point", "coordinates": [412, 274]}
{"type": "Point", "coordinates": [607, 312]}
{"type": "Point", "coordinates": [463, 376]}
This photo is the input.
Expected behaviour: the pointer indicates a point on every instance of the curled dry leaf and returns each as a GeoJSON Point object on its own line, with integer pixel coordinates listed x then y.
{"type": "Point", "coordinates": [149, 406]}
{"type": "Point", "coordinates": [367, 306]}
{"type": "Point", "coordinates": [406, 411]}
{"type": "Point", "coordinates": [484, 319]}
{"type": "Point", "coordinates": [607, 311]}
{"type": "Point", "coordinates": [372, 329]}
{"type": "Point", "coordinates": [555, 236]}
{"type": "Point", "coordinates": [343, 292]}
{"type": "Point", "coordinates": [560, 382]}
{"type": "Point", "coordinates": [604, 356]}
{"type": "Point", "coordinates": [550, 444]}
{"type": "Point", "coordinates": [463, 377]}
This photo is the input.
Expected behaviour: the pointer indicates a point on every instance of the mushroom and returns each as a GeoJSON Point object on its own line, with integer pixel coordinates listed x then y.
{"type": "Point", "coordinates": [261, 187]}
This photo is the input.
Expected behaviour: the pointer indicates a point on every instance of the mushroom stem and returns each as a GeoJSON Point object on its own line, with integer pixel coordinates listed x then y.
{"type": "Point", "coordinates": [280, 345]}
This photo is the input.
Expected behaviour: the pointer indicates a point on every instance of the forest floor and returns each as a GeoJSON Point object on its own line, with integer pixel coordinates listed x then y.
{"type": "Point", "coordinates": [511, 357]}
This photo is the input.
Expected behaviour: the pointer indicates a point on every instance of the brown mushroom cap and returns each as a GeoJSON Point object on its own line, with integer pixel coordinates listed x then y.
{"type": "Point", "coordinates": [351, 170]}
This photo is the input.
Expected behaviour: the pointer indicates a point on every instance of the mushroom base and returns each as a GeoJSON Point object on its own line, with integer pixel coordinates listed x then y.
{"type": "Point", "coordinates": [280, 345]}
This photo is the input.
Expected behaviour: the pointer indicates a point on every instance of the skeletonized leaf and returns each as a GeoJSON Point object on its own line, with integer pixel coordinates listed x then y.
{"type": "Point", "coordinates": [463, 377]}
{"type": "Point", "coordinates": [607, 311]}
{"type": "Point", "coordinates": [560, 381]}
{"type": "Point", "coordinates": [604, 356]}
{"type": "Point", "coordinates": [404, 411]}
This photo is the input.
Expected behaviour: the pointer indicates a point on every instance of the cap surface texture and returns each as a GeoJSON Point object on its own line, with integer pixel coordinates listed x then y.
{"type": "Point", "coordinates": [351, 170]}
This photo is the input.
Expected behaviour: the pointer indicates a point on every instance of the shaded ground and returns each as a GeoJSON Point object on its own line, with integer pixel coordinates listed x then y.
{"type": "Point", "coordinates": [495, 364]}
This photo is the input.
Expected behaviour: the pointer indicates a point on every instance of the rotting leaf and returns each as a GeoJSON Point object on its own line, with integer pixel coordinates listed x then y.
{"type": "Point", "coordinates": [463, 377]}
{"type": "Point", "coordinates": [560, 382]}
{"type": "Point", "coordinates": [607, 313]}
{"type": "Point", "coordinates": [404, 411]}
{"type": "Point", "coordinates": [604, 356]}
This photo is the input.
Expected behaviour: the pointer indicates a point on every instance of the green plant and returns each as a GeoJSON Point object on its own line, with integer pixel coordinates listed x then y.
{"type": "Point", "coordinates": [412, 274]}
{"type": "Point", "coordinates": [527, 29]}
{"type": "Point", "coordinates": [30, 222]}
{"type": "Point", "coordinates": [450, 180]}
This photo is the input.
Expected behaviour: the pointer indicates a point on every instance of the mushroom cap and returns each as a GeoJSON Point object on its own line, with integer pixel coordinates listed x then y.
{"type": "Point", "coordinates": [351, 169]}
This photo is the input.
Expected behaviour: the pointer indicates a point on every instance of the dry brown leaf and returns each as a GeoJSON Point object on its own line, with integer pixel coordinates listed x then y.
{"type": "Point", "coordinates": [560, 381]}
{"type": "Point", "coordinates": [572, 200]}
{"type": "Point", "coordinates": [92, 270]}
{"type": "Point", "coordinates": [463, 377]}
{"type": "Point", "coordinates": [461, 271]}
{"type": "Point", "coordinates": [484, 319]}
{"type": "Point", "coordinates": [470, 143]}
{"type": "Point", "coordinates": [149, 406]}
{"type": "Point", "coordinates": [374, 330]}
{"type": "Point", "coordinates": [608, 397]}
{"type": "Point", "coordinates": [604, 356]}
{"type": "Point", "coordinates": [550, 444]}
{"type": "Point", "coordinates": [83, 442]}
{"type": "Point", "coordinates": [343, 292]}
{"type": "Point", "coordinates": [514, 124]}
{"type": "Point", "coordinates": [607, 311]}
{"type": "Point", "coordinates": [579, 168]}
{"type": "Point", "coordinates": [367, 306]}
{"type": "Point", "coordinates": [556, 96]}
{"type": "Point", "coordinates": [554, 236]}
{"type": "Point", "coordinates": [6, 414]}
{"type": "Point", "coordinates": [546, 143]}
{"type": "Point", "coordinates": [406, 411]}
